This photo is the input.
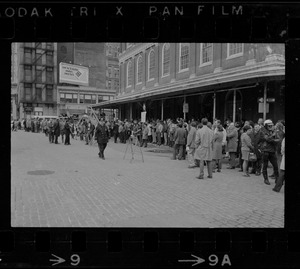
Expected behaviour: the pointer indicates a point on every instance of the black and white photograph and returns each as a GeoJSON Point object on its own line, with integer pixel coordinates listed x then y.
{"type": "Point", "coordinates": [148, 135]}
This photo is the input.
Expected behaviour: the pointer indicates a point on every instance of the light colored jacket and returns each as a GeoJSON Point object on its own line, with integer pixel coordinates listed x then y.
{"type": "Point", "coordinates": [191, 137]}
{"type": "Point", "coordinates": [204, 140]}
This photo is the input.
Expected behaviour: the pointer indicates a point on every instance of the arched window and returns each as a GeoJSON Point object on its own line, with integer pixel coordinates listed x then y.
{"type": "Point", "coordinates": [166, 59]}
{"type": "Point", "coordinates": [129, 74]}
{"type": "Point", "coordinates": [184, 56]}
{"type": "Point", "coordinates": [139, 69]}
{"type": "Point", "coordinates": [151, 65]}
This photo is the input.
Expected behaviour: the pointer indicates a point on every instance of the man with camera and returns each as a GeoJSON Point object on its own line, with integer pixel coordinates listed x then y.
{"type": "Point", "coordinates": [268, 143]}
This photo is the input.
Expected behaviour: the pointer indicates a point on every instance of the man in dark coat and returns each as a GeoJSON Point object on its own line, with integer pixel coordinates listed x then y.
{"type": "Point", "coordinates": [51, 131]}
{"type": "Point", "coordinates": [179, 138]}
{"type": "Point", "coordinates": [116, 131]}
{"type": "Point", "coordinates": [67, 129]}
{"type": "Point", "coordinates": [268, 144]}
{"type": "Point", "coordinates": [56, 129]}
{"type": "Point", "coordinates": [101, 135]}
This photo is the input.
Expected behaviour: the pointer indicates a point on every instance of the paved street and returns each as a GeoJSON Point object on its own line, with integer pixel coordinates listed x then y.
{"type": "Point", "coordinates": [70, 186]}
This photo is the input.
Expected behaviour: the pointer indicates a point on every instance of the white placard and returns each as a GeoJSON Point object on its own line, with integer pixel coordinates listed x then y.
{"type": "Point", "coordinates": [143, 116]}
{"type": "Point", "coordinates": [74, 74]}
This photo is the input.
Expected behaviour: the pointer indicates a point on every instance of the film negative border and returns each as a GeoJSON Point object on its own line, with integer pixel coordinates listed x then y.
{"type": "Point", "coordinates": [173, 22]}
{"type": "Point", "coordinates": [149, 247]}
{"type": "Point", "coordinates": [168, 248]}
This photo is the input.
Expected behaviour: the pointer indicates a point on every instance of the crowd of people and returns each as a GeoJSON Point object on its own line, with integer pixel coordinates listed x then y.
{"type": "Point", "coordinates": [248, 146]}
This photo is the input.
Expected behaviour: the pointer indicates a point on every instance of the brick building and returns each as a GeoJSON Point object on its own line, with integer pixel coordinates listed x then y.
{"type": "Point", "coordinates": [194, 80]}
{"type": "Point", "coordinates": [74, 99]}
{"type": "Point", "coordinates": [35, 79]}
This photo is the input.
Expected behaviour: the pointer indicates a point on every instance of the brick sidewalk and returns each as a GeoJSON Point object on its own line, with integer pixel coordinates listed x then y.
{"type": "Point", "coordinates": [82, 190]}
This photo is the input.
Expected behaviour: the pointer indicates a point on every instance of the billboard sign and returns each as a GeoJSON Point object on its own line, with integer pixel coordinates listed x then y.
{"type": "Point", "coordinates": [73, 74]}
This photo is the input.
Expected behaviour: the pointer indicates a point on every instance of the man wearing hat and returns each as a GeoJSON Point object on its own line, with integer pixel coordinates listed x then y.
{"type": "Point", "coordinates": [101, 135]}
{"type": "Point", "coordinates": [268, 143]}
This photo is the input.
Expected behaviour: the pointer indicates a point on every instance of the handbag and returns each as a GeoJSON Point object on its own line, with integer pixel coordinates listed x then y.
{"type": "Point", "coordinates": [252, 157]}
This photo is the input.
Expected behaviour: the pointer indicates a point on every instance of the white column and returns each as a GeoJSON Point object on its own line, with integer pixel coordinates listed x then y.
{"type": "Point", "coordinates": [130, 111]}
{"type": "Point", "coordinates": [214, 109]}
{"type": "Point", "coordinates": [234, 105]}
{"type": "Point", "coordinates": [265, 101]}
{"type": "Point", "coordinates": [162, 109]}
{"type": "Point", "coordinates": [184, 113]}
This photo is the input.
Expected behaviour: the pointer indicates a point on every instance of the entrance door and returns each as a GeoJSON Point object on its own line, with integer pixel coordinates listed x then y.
{"type": "Point", "coordinates": [229, 106]}
{"type": "Point", "coordinates": [208, 107]}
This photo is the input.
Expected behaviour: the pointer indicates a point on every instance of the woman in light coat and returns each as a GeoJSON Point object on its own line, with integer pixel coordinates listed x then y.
{"type": "Point", "coordinates": [217, 148]}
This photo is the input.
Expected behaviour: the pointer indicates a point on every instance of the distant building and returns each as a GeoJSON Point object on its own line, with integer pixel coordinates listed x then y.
{"type": "Point", "coordinates": [233, 81]}
{"type": "Point", "coordinates": [74, 99]}
{"type": "Point", "coordinates": [34, 79]}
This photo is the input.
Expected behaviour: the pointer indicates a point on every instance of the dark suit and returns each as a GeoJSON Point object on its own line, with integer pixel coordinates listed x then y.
{"type": "Point", "coordinates": [180, 140]}
{"type": "Point", "coordinates": [67, 132]}
{"type": "Point", "coordinates": [101, 135]}
{"type": "Point", "coordinates": [56, 128]}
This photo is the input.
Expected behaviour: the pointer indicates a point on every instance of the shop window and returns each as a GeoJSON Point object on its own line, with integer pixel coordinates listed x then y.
{"type": "Point", "coordinates": [87, 98]}
{"type": "Point", "coordinates": [69, 97]}
{"type": "Point", "coordinates": [139, 70]}
{"type": "Point", "coordinates": [100, 98]}
{"type": "Point", "coordinates": [235, 50]}
{"type": "Point", "coordinates": [206, 53]}
{"type": "Point", "coordinates": [184, 55]}
{"type": "Point", "coordinates": [62, 98]}
{"type": "Point", "coordinates": [166, 59]}
{"type": "Point", "coordinates": [74, 100]}
{"type": "Point", "coordinates": [151, 65]}
{"type": "Point", "coordinates": [93, 99]}
{"type": "Point", "coordinates": [81, 98]}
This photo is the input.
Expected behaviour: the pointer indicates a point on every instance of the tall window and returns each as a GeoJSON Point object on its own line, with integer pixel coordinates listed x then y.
{"type": "Point", "coordinates": [27, 92]}
{"type": "Point", "coordinates": [166, 59]}
{"type": "Point", "coordinates": [49, 75]}
{"type": "Point", "coordinates": [139, 70]}
{"type": "Point", "coordinates": [81, 98]}
{"type": "Point", "coordinates": [49, 95]}
{"type": "Point", "coordinates": [234, 50]}
{"type": "Point", "coordinates": [38, 75]}
{"type": "Point", "coordinates": [28, 72]}
{"type": "Point", "coordinates": [184, 52]}
{"type": "Point", "coordinates": [93, 99]}
{"type": "Point", "coordinates": [129, 73]}
{"type": "Point", "coordinates": [49, 58]}
{"type": "Point", "coordinates": [38, 58]}
{"type": "Point", "coordinates": [27, 55]}
{"type": "Point", "coordinates": [109, 84]}
{"type": "Point", "coordinates": [38, 92]}
{"type": "Point", "coordinates": [87, 98]}
{"type": "Point", "coordinates": [151, 65]}
{"type": "Point", "coordinates": [206, 53]}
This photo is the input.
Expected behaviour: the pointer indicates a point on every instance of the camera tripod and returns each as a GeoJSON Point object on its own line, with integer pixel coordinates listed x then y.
{"type": "Point", "coordinates": [132, 150]}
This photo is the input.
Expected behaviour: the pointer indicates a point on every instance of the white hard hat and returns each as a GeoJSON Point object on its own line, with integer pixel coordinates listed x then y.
{"type": "Point", "coordinates": [268, 122]}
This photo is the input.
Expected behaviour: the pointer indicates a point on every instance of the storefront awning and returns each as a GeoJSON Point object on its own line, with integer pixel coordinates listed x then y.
{"type": "Point", "coordinates": [256, 72]}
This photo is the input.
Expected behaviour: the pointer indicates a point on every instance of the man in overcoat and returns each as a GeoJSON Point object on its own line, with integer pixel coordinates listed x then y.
{"type": "Point", "coordinates": [232, 143]}
{"type": "Point", "coordinates": [101, 135]}
{"type": "Point", "coordinates": [204, 140]}
{"type": "Point", "coordinates": [191, 146]}
{"type": "Point", "coordinates": [179, 139]}
{"type": "Point", "coordinates": [67, 130]}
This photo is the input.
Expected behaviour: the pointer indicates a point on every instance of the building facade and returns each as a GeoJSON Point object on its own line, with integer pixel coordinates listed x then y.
{"type": "Point", "coordinates": [14, 82]}
{"type": "Point", "coordinates": [74, 99]}
{"type": "Point", "coordinates": [35, 79]}
{"type": "Point", "coordinates": [233, 81]}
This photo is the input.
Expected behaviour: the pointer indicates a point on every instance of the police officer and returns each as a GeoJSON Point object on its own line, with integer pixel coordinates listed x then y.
{"type": "Point", "coordinates": [268, 143]}
{"type": "Point", "coordinates": [101, 135]}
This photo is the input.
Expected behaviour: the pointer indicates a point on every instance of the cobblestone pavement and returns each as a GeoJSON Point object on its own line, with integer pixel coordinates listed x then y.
{"type": "Point", "coordinates": [69, 186]}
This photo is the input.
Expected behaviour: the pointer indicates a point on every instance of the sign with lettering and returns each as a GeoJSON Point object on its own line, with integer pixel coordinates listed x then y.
{"type": "Point", "coordinates": [185, 108]}
{"type": "Point", "coordinates": [74, 74]}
